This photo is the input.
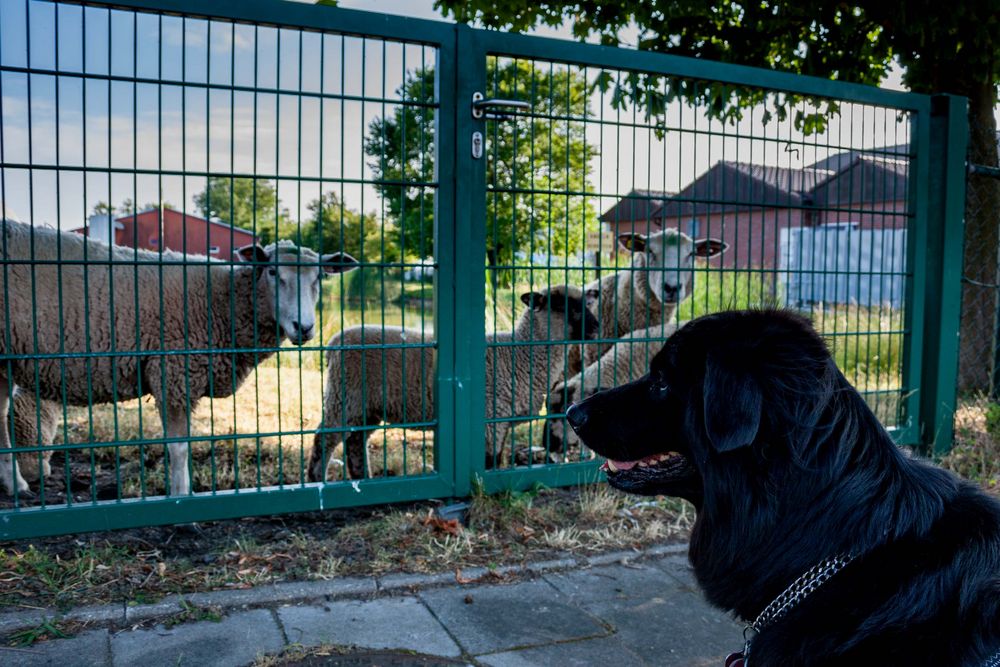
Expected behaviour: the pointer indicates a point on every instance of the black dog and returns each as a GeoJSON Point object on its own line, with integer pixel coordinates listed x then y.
{"type": "Point", "coordinates": [746, 415]}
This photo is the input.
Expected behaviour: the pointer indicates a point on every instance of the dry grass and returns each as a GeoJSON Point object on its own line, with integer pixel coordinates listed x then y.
{"type": "Point", "coordinates": [142, 565]}
{"type": "Point", "coordinates": [976, 451]}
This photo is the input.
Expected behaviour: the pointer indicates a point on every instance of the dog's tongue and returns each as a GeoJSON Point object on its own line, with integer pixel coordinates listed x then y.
{"type": "Point", "coordinates": [624, 465]}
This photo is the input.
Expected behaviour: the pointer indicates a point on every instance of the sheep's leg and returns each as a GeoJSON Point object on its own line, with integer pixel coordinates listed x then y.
{"type": "Point", "coordinates": [177, 424]}
{"type": "Point", "coordinates": [319, 460]}
{"type": "Point", "coordinates": [10, 474]}
{"type": "Point", "coordinates": [356, 444]}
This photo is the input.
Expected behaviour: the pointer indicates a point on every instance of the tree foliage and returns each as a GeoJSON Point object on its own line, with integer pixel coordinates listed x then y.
{"type": "Point", "coordinates": [536, 169]}
{"type": "Point", "coordinates": [945, 47]}
{"type": "Point", "coordinates": [332, 227]}
{"type": "Point", "coordinates": [250, 203]}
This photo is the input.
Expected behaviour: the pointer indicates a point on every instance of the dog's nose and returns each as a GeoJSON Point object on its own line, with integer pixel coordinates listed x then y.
{"type": "Point", "coordinates": [576, 416]}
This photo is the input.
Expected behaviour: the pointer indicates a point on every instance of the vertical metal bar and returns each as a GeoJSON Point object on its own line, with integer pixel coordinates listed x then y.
{"type": "Point", "coordinates": [946, 203]}
{"type": "Point", "coordinates": [917, 283]}
{"type": "Point", "coordinates": [464, 289]}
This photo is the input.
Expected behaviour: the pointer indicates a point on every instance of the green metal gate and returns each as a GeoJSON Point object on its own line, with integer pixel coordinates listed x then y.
{"type": "Point", "coordinates": [463, 169]}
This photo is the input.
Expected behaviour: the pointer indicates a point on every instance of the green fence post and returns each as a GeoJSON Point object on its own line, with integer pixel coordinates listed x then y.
{"type": "Point", "coordinates": [949, 135]}
{"type": "Point", "coordinates": [470, 253]}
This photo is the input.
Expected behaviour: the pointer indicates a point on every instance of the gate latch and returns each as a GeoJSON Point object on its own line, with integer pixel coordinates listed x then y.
{"type": "Point", "coordinates": [483, 108]}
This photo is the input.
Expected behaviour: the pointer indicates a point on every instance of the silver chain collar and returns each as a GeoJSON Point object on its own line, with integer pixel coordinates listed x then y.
{"type": "Point", "coordinates": [801, 588]}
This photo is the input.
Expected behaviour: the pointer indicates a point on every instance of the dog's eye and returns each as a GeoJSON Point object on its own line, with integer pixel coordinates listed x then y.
{"type": "Point", "coordinates": [659, 385]}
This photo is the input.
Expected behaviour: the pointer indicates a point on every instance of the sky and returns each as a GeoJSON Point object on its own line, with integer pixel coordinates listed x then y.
{"type": "Point", "coordinates": [171, 134]}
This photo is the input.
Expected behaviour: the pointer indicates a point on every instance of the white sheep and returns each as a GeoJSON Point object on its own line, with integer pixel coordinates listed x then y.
{"type": "Point", "coordinates": [35, 423]}
{"type": "Point", "coordinates": [647, 292]}
{"type": "Point", "coordinates": [70, 305]}
{"type": "Point", "coordinates": [368, 383]}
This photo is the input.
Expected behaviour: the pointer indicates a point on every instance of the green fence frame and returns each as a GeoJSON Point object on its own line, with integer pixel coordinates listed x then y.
{"type": "Point", "coordinates": [938, 137]}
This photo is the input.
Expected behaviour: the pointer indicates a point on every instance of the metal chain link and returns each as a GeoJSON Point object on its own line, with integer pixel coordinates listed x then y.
{"type": "Point", "coordinates": [800, 589]}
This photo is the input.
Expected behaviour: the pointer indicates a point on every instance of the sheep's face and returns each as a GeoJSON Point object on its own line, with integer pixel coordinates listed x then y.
{"type": "Point", "coordinates": [669, 260]}
{"type": "Point", "coordinates": [288, 278]}
{"type": "Point", "coordinates": [562, 313]}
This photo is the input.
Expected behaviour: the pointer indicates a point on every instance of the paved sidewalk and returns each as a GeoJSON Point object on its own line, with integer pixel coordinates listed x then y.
{"type": "Point", "coordinates": [622, 612]}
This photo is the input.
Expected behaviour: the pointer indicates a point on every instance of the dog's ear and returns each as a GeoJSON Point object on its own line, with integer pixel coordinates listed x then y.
{"type": "Point", "coordinates": [733, 404]}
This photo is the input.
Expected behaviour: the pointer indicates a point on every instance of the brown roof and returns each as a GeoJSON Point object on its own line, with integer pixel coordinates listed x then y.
{"type": "Point", "coordinates": [733, 186]}
{"type": "Point", "coordinates": [866, 179]}
{"type": "Point", "coordinates": [636, 206]}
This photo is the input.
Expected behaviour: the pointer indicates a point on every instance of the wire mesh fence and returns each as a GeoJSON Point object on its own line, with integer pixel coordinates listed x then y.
{"type": "Point", "coordinates": [266, 159]}
{"type": "Point", "coordinates": [378, 258]}
{"type": "Point", "coordinates": [671, 215]}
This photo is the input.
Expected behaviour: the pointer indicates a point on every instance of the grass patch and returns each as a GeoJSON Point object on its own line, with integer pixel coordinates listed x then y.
{"type": "Point", "coordinates": [44, 631]}
{"type": "Point", "coordinates": [191, 613]}
{"type": "Point", "coordinates": [146, 564]}
{"type": "Point", "coordinates": [975, 454]}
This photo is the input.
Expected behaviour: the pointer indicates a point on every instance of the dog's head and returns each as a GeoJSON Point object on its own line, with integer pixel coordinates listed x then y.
{"type": "Point", "coordinates": [726, 395]}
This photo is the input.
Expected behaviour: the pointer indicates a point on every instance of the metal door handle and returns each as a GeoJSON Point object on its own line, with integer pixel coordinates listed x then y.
{"type": "Point", "coordinates": [481, 107]}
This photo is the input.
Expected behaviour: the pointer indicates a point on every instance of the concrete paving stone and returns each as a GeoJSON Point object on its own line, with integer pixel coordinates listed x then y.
{"type": "Point", "coordinates": [395, 582]}
{"type": "Point", "coordinates": [679, 568]}
{"type": "Point", "coordinates": [387, 623]}
{"type": "Point", "coordinates": [610, 582]}
{"type": "Point", "coordinates": [489, 619]}
{"type": "Point", "coordinates": [235, 641]}
{"type": "Point", "coordinates": [166, 607]}
{"type": "Point", "coordinates": [586, 653]}
{"type": "Point", "coordinates": [553, 565]}
{"type": "Point", "coordinates": [89, 649]}
{"type": "Point", "coordinates": [114, 613]}
{"type": "Point", "coordinates": [614, 558]}
{"type": "Point", "coordinates": [679, 630]}
{"type": "Point", "coordinates": [659, 550]}
{"type": "Point", "coordinates": [13, 621]}
{"type": "Point", "coordinates": [292, 591]}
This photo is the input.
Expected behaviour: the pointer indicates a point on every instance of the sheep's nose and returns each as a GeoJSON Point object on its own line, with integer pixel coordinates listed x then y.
{"type": "Point", "coordinates": [300, 332]}
{"type": "Point", "coordinates": [670, 292]}
{"type": "Point", "coordinates": [576, 416]}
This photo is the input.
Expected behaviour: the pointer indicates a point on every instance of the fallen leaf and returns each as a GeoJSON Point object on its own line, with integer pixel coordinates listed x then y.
{"type": "Point", "coordinates": [449, 526]}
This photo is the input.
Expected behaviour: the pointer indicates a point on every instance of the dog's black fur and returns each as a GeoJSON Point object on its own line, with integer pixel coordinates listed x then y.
{"type": "Point", "coordinates": [786, 466]}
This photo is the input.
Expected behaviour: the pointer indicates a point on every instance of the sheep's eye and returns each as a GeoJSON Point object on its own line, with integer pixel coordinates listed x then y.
{"type": "Point", "coordinates": [272, 272]}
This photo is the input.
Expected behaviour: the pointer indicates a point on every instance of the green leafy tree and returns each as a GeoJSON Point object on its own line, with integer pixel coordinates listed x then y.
{"type": "Point", "coordinates": [532, 162]}
{"type": "Point", "coordinates": [400, 151]}
{"type": "Point", "coordinates": [945, 48]}
{"type": "Point", "coordinates": [244, 202]}
{"type": "Point", "coordinates": [332, 227]}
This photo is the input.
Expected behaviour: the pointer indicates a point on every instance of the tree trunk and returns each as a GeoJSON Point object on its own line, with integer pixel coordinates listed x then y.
{"type": "Point", "coordinates": [982, 241]}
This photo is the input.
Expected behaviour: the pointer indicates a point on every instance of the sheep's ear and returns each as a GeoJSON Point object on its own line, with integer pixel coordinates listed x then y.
{"type": "Point", "coordinates": [534, 300]}
{"type": "Point", "coordinates": [733, 403]}
{"type": "Point", "coordinates": [338, 262]}
{"type": "Point", "coordinates": [252, 253]}
{"type": "Point", "coordinates": [591, 296]}
{"type": "Point", "coordinates": [632, 242]}
{"type": "Point", "coordinates": [709, 247]}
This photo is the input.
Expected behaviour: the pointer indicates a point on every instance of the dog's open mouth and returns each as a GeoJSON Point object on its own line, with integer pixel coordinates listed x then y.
{"type": "Point", "coordinates": [666, 462]}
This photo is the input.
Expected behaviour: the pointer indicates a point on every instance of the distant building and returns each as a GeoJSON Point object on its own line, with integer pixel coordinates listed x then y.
{"type": "Point", "coordinates": [748, 205]}
{"type": "Point", "coordinates": [168, 229]}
